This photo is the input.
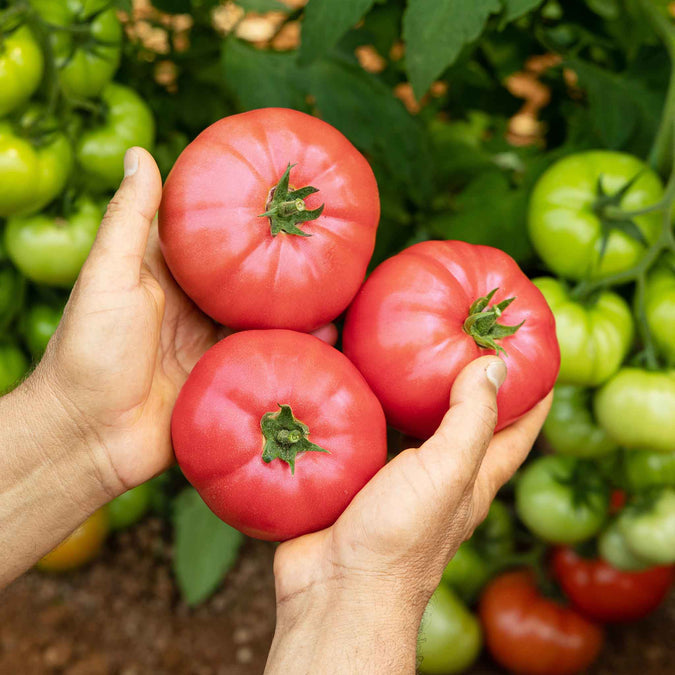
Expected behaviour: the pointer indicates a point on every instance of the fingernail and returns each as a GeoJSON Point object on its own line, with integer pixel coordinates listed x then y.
{"type": "Point", "coordinates": [496, 373]}
{"type": "Point", "coordinates": [130, 162]}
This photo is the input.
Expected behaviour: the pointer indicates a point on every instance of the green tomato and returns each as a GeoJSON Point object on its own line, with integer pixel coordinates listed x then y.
{"type": "Point", "coordinates": [660, 308]}
{"type": "Point", "coordinates": [100, 150]}
{"type": "Point", "coordinates": [40, 323]}
{"type": "Point", "coordinates": [570, 428]}
{"type": "Point", "coordinates": [561, 499]}
{"type": "Point", "coordinates": [12, 287]}
{"type": "Point", "coordinates": [33, 171]}
{"type": "Point", "coordinates": [650, 532]}
{"type": "Point", "coordinates": [130, 506]}
{"type": "Point", "coordinates": [450, 637]}
{"type": "Point", "coordinates": [565, 216]}
{"type": "Point", "coordinates": [467, 572]}
{"type": "Point", "coordinates": [644, 469]}
{"type": "Point", "coordinates": [51, 250]}
{"type": "Point", "coordinates": [13, 366]}
{"type": "Point", "coordinates": [636, 408]}
{"type": "Point", "coordinates": [594, 338]}
{"type": "Point", "coordinates": [494, 537]}
{"type": "Point", "coordinates": [613, 548]}
{"type": "Point", "coordinates": [88, 59]}
{"type": "Point", "coordinates": [21, 68]}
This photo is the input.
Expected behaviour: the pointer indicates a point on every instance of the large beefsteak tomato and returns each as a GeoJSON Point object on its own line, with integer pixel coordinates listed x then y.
{"type": "Point", "coordinates": [277, 431]}
{"type": "Point", "coordinates": [428, 311]}
{"type": "Point", "coordinates": [268, 220]}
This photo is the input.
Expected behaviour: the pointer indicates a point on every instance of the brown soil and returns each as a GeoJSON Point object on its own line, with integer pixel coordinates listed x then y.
{"type": "Point", "coordinates": [123, 616]}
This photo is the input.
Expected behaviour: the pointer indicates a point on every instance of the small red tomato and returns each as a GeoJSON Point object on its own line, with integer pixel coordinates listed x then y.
{"type": "Point", "coordinates": [277, 431]}
{"type": "Point", "coordinates": [268, 220]}
{"type": "Point", "coordinates": [602, 593]}
{"type": "Point", "coordinates": [427, 312]}
{"type": "Point", "coordinates": [529, 634]}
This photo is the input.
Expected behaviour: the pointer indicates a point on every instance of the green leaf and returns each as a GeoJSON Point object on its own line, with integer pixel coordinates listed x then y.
{"type": "Point", "coordinates": [206, 548]}
{"type": "Point", "coordinates": [435, 31]}
{"type": "Point", "coordinates": [263, 6]}
{"type": "Point", "coordinates": [514, 9]}
{"type": "Point", "coordinates": [325, 22]}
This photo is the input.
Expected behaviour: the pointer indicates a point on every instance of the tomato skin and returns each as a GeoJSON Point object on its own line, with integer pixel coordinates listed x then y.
{"type": "Point", "coordinates": [614, 549]}
{"type": "Point", "coordinates": [570, 428]}
{"type": "Point", "coordinates": [100, 150]}
{"type": "Point", "coordinates": [529, 634]}
{"type": "Point", "coordinates": [81, 547]}
{"type": "Point", "coordinates": [39, 324]}
{"type": "Point", "coordinates": [602, 593]}
{"type": "Point", "coordinates": [239, 273]}
{"type": "Point", "coordinates": [660, 308]}
{"type": "Point", "coordinates": [13, 366]}
{"type": "Point", "coordinates": [594, 340]}
{"type": "Point", "coordinates": [404, 332]}
{"type": "Point", "coordinates": [450, 637]}
{"type": "Point", "coordinates": [31, 174]}
{"type": "Point", "coordinates": [467, 572]}
{"type": "Point", "coordinates": [51, 250]}
{"type": "Point", "coordinates": [643, 469]}
{"type": "Point", "coordinates": [130, 506]}
{"type": "Point", "coordinates": [21, 68]}
{"type": "Point", "coordinates": [546, 503]}
{"type": "Point", "coordinates": [216, 430]}
{"type": "Point", "coordinates": [636, 409]}
{"type": "Point", "coordinates": [564, 229]}
{"type": "Point", "coordinates": [83, 71]}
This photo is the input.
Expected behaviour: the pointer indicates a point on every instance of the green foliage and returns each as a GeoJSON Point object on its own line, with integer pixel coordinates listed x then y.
{"type": "Point", "coordinates": [205, 547]}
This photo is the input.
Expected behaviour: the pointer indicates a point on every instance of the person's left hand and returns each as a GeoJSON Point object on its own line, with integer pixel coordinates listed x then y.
{"type": "Point", "coordinates": [128, 339]}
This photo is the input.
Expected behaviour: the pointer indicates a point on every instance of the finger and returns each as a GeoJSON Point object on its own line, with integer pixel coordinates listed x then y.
{"type": "Point", "coordinates": [510, 448]}
{"type": "Point", "coordinates": [458, 446]}
{"type": "Point", "coordinates": [117, 253]}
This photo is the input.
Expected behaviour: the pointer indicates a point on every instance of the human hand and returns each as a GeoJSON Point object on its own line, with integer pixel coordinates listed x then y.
{"type": "Point", "coordinates": [369, 577]}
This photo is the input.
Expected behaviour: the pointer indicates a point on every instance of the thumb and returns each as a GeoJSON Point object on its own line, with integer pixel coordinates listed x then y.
{"type": "Point", "coordinates": [457, 448]}
{"type": "Point", "coordinates": [117, 253]}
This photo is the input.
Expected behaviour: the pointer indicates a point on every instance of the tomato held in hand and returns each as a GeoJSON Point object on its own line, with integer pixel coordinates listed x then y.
{"type": "Point", "coordinates": [580, 199]}
{"type": "Point", "coordinates": [660, 307]}
{"type": "Point", "coordinates": [636, 409]}
{"type": "Point", "coordinates": [594, 338]}
{"type": "Point", "coordinates": [33, 170]}
{"type": "Point", "coordinates": [21, 67]}
{"type": "Point", "coordinates": [127, 121]}
{"type": "Point", "coordinates": [450, 637]}
{"type": "Point", "coordinates": [427, 312]}
{"type": "Point", "coordinates": [268, 220]}
{"type": "Point", "coordinates": [602, 593]}
{"type": "Point", "coordinates": [51, 250]}
{"type": "Point", "coordinates": [86, 59]}
{"type": "Point", "coordinates": [529, 634]}
{"type": "Point", "coordinates": [561, 499]}
{"type": "Point", "coordinates": [570, 428]}
{"type": "Point", "coordinates": [13, 366]}
{"type": "Point", "coordinates": [81, 547]}
{"type": "Point", "coordinates": [278, 432]}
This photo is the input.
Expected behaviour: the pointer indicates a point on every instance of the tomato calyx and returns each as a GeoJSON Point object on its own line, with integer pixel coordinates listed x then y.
{"type": "Point", "coordinates": [286, 207]}
{"type": "Point", "coordinates": [482, 326]}
{"type": "Point", "coordinates": [285, 437]}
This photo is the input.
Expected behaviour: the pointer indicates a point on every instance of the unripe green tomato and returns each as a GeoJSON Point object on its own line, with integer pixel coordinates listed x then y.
{"type": "Point", "coordinates": [21, 68]}
{"type": "Point", "coordinates": [594, 338]}
{"type": "Point", "coordinates": [128, 122]}
{"type": "Point", "coordinates": [450, 636]}
{"type": "Point", "coordinates": [660, 308]}
{"type": "Point", "coordinates": [467, 572]}
{"type": "Point", "coordinates": [570, 428]}
{"type": "Point", "coordinates": [51, 250]}
{"type": "Point", "coordinates": [13, 366]}
{"type": "Point", "coordinates": [130, 506]}
{"type": "Point", "coordinates": [650, 532]}
{"type": "Point", "coordinates": [644, 469]}
{"type": "Point", "coordinates": [40, 323]}
{"type": "Point", "coordinates": [613, 548]}
{"type": "Point", "coordinates": [636, 408]}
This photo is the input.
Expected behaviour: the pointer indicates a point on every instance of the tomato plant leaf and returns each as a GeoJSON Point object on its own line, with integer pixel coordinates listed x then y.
{"type": "Point", "coordinates": [206, 548]}
{"type": "Point", "coordinates": [435, 31]}
{"type": "Point", "coordinates": [325, 22]}
{"type": "Point", "coordinates": [263, 6]}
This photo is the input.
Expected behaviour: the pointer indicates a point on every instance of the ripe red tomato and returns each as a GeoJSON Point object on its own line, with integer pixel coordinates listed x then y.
{"type": "Point", "coordinates": [407, 331]}
{"type": "Point", "coordinates": [277, 431]}
{"type": "Point", "coordinates": [602, 593]}
{"type": "Point", "coordinates": [529, 634]}
{"type": "Point", "coordinates": [298, 268]}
